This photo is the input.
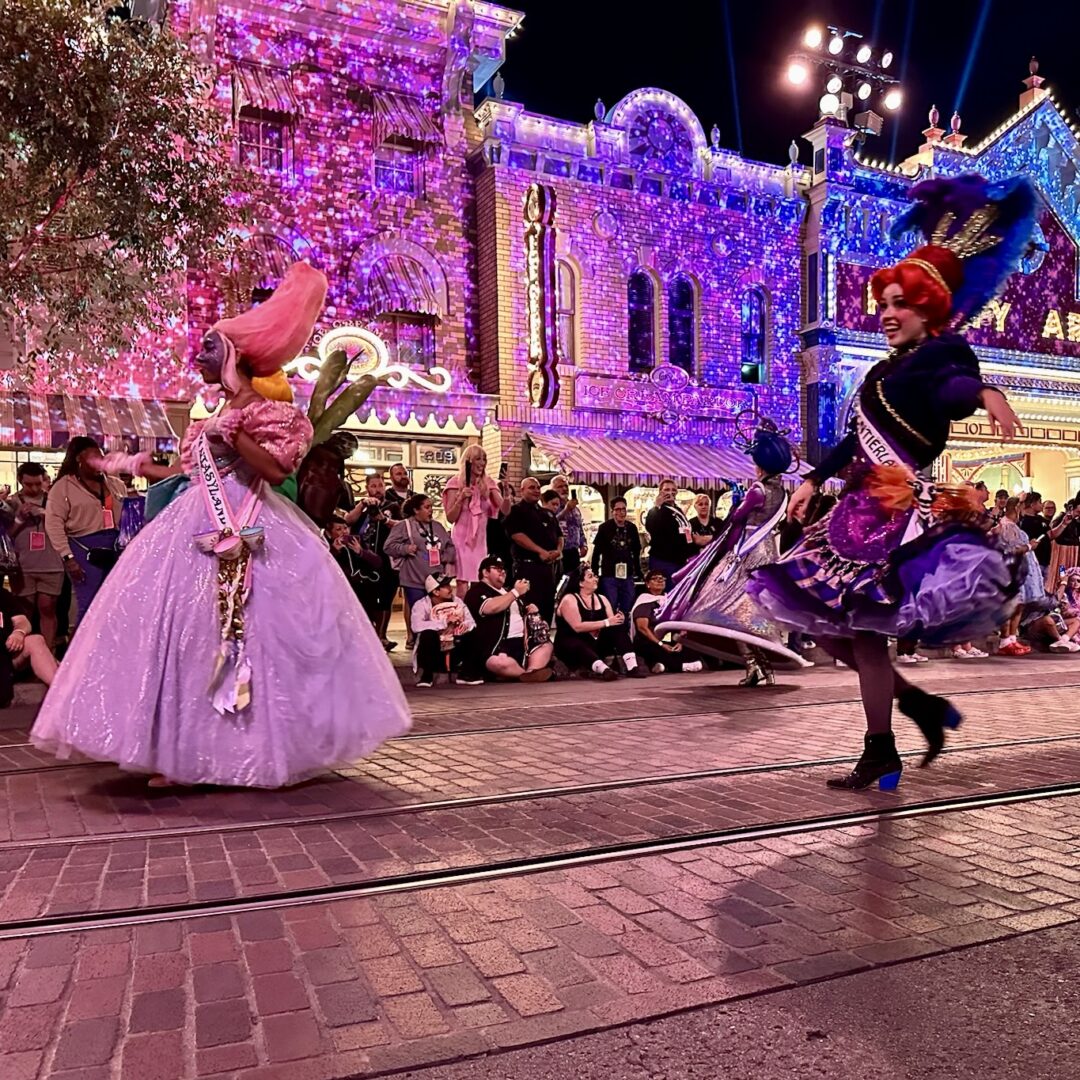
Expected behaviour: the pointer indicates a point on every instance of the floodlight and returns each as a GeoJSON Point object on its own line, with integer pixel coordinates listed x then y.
{"type": "Point", "coordinates": [863, 54]}
{"type": "Point", "coordinates": [797, 73]}
{"type": "Point", "coordinates": [864, 90]}
{"type": "Point", "coordinates": [828, 104]}
{"type": "Point", "coordinates": [835, 85]}
{"type": "Point", "coordinates": [894, 99]}
{"type": "Point", "coordinates": [812, 37]}
{"type": "Point", "coordinates": [836, 44]}
{"type": "Point", "coordinates": [886, 58]}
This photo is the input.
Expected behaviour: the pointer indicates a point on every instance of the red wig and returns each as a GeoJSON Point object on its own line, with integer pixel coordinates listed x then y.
{"type": "Point", "coordinates": [928, 278]}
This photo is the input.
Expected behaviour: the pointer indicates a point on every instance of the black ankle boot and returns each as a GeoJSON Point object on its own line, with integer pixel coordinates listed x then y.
{"type": "Point", "coordinates": [765, 664]}
{"type": "Point", "coordinates": [754, 674]}
{"type": "Point", "coordinates": [879, 762]}
{"type": "Point", "coordinates": [932, 715]}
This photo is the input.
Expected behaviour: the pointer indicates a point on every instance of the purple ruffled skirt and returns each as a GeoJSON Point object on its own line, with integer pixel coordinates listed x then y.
{"type": "Point", "coordinates": [852, 572]}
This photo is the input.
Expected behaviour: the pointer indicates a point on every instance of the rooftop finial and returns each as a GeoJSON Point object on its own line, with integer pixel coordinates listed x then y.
{"type": "Point", "coordinates": [935, 116]}
{"type": "Point", "coordinates": [599, 109]}
{"type": "Point", "coordinates": [714, 137]}
{"type": "Point", "coordinates": [954, 123]}
{"type": "Point", "coordinates": [1033, 66]}
{"type": "Point", "coordinates": [498, 84]}
{"type": "Point", "coordinates": [793, 153]}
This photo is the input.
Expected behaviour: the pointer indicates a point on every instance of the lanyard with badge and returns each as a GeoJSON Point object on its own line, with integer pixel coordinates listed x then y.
{"type": "Point", "coordinates": [434, 547]}
{"type": "Point", "coordinates": [37, 534]}
{"type": "Point", "coordinates": [621, 542]}
{"type": "Point", "coordinates": [108, 518]}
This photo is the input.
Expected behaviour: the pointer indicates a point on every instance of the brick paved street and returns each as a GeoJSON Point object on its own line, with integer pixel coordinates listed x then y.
{"type": "Point", "coordinates": [528, 864]}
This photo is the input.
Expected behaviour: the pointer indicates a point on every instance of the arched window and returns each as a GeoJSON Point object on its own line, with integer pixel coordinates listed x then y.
{"type": "Point", "coordinates": [641, 321]}
{"type": "Point", "coordinates": [753, 335]}
{"type": "Point", "coordinates": [566, 311]}
{"type": "Point", "coordinates": [682, 324]}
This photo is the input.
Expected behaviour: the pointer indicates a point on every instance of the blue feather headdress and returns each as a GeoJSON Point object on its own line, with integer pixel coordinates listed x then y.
{"type": "Point", "coordinates": [976, 233]}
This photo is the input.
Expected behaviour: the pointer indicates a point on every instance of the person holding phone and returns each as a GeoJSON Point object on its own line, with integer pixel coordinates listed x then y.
{"type": "Point", "coordinates": [1064, 540]}
{"type": "Point", "coordinates": [470, 500]}
{"type": "Point", "coordinates": [575, 547]}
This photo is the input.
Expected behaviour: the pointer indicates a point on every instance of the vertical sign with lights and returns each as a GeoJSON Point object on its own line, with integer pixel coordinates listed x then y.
{"type": "Point", "coordinates": [543, 381]}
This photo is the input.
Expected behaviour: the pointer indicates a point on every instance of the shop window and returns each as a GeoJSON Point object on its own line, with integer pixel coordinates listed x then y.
{"type": "Point", "coordinates": [566, 311]}
{"type": "Point", "coordinates": [682, 324]}
{"type": "Point", "coordinates": [410, 338]}
{"type": "Point", "coordinates": [641, 321]}
{"type": "Point", "coordinates": [753, 335]}
{"type": "Point", "coordinates": [399, 169]}
{"type": "Point", "coordinates": [263, 140]}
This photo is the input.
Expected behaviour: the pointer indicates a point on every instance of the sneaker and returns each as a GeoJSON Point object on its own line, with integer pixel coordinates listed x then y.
{"type": "Point", "coordinates": [1073, 647]}
{"type": "Point", "coordinates": [920, 659]}
{"type": "Point", "coordinates": [389, 645]}
{"type": "Point", "coordinates": [1013, 648]}
{"type": "Point", "coordinates": [609, 674]}
{"type": "Point", "coordinates": [637, 672]}
{"type": "Point", "coordinates": [469, 682]}
{"type": "Point", "coordinates": [907, 659]}
{"type": "Point", "coordinates": [659, 669]}
{"type": "Point", "coordinates": [977, 654]}
{"type": "Point", "coordinates": [536, 675]}
{"type": "Point", "coordinates": [697, 665]}
{"type": "Point", "coordinates": [1061, 645]}
{"type": "Point", "coordinates": [425, 680]}
{"type": "Point", "coordinates": [809, 644]}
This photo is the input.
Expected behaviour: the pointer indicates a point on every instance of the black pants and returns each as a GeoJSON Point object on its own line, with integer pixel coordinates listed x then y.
{"type": "Point", "coordinates": [462, 657]}
{"type": "Point", "coordinates": [651, 654]}
{"type": "Point", "coordinates": [583, 650]}
{"type": "Point", "coordinates": [541, 579]}
{"type": "Point", "coordinates": [571, 560]}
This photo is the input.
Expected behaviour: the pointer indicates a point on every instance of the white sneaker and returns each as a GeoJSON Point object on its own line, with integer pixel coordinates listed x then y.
{"type": "Point", "coordinates": [659, 669]}
{"type": "Point", "coordinates": [960, 653]}
{"type": "Point", "coordinates": [839, 663]}
{"type": "Point", "coordinates": [1061, 645]}
{"type": "Point", "coordinates": [907, 659]}
{"type": "Point", "coordinates": [1073, 647]}
{"type": "Point", "coordinates": [469, 682]}
{"type": "Point", "coordinates": [977, 654]}
{"type": "Point", "coordinates": [920, 659]}
{"type": "Point", "coordinates": [697, 665]}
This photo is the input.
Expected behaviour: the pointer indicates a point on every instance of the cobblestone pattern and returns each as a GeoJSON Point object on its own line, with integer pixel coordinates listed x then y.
{"type": "Point", "coordinates": [130, 874]}
{"type": "Point", "coordinates": [332, 990]}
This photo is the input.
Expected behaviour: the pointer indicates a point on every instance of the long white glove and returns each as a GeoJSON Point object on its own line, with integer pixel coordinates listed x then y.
{"type": "Point", "coordinates": [117, 463]}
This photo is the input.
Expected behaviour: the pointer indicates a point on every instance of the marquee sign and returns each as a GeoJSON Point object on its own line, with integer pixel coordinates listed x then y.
{"type": "Point", "coordinates": [540, 317]}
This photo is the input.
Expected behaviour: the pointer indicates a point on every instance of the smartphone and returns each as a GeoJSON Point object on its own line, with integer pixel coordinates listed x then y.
{"type": "Point", "coordinates": [468, 474]}
{"type": "Point", "coordinates": [504, 468]}
{"type": "Point", "coordinates": [573, 494]}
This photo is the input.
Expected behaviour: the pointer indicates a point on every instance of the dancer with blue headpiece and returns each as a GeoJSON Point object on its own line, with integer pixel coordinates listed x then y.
{"type": "Point", "coordinates": [709, 602]}
{"type": "Point", "coordinates": [901, 556]}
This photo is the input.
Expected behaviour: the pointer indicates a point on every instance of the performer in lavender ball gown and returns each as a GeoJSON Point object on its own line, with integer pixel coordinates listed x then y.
{"type": "Point", "coordinates": [247, 660]}
{"type": "Point", "coordinates": [900, 556]}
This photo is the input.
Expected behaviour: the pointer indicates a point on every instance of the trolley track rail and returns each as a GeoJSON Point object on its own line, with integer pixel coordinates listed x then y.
{"type": "Point", "coordinates": [497, 799]}
{"type": "Point", "coordinates": [66, 923]}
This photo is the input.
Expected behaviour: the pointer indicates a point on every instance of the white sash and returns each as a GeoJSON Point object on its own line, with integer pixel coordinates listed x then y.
{"type": "Point", "coordinates": [233, 539]}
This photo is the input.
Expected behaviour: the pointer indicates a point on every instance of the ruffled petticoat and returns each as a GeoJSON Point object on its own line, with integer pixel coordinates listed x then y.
{"type": "Point", "coordinates": [852, 572]}
{"type": "Point", "coordinates": [134, 687]}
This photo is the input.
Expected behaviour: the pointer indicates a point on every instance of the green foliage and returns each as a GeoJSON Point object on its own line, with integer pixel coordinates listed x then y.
{"type": "Point", "coordinates": [115, 169]}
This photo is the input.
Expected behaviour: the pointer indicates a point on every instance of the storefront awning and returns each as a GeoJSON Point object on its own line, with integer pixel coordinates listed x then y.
{"type": "Point", "coordinates": [629, 462]}
{"type": "Point", "coordinates": [398, 283]}
{"type": "Point", "coordinates": [403, 117]}
{"type": "Point", "coordinates": [259, 87]}
{"type": "Point", "coordinates": [49, 421]}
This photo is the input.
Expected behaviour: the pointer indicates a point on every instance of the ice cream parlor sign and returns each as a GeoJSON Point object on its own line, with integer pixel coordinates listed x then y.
{"type": "Point", "coordinates": [1039, 311]}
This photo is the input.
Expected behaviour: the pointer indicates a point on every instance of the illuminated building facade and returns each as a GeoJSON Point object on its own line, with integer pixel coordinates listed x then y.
{"type": "Point", "coordinates": [1028, 340]}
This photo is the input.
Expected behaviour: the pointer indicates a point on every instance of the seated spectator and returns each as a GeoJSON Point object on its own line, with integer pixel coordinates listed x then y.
{"type": "Point", "coordinates": [658, 655]}
{"type": "Point", "coordinates": [419, 546]}
{"type": "Point", "coordinates": [589, 633]}
{"type": "Point", "coordinates": [442, 623]}
{"type": "Point", "coordinates": [19, 648]}
{"type": "Point", "coordinates": [507, 640]}
{"type": "Point", "coordinates": [1050, 628]}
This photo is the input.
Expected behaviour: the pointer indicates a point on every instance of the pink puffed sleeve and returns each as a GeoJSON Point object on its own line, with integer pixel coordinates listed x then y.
{"type": "Point", "coordinates": [282, 430]}
{"type": "Point", "coordinates": [187, 446]}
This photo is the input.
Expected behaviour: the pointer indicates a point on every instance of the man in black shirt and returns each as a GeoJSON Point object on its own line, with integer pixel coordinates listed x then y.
{"type": "Point", "coordinates": [371, 520]}
{"type": "Point", "coordinates": [670, 546]}
{"type": "Point", "coordinates": [616, 558]}
{"type": "Point", "coordinates": [1036, 527]}
{"type": "Point", "coordinates": [399, 492]}
{"type": "Point", "coordinates": [536, 543]}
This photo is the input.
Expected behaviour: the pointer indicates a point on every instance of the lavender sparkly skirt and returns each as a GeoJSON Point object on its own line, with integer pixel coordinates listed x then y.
{"type": "Point", "coordinates": [852, 572]}
{"type": "Point", "coordinates": [134, 685]}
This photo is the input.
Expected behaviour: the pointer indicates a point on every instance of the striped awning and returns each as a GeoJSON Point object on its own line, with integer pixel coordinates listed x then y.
{"type": "Point", "coordinates": [631, 462]}
{"type": "Point", "coordinates": [400, 284]}
{"type": "Point", "coordinates": [49, 421]}
{"type": "Point", "coordinates": [402, 116]}
{"type": "Point", "coordinates": [259, 87]}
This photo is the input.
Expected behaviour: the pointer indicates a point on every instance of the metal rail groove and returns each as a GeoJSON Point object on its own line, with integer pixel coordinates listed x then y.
{"type": "Point", "coordinates": [524, 795]}
{"type": "Point", "coordinates": [535, 864]}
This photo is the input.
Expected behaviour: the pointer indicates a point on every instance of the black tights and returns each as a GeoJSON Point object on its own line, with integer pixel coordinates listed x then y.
{"type": "Point", "coordinates": [879, 681]}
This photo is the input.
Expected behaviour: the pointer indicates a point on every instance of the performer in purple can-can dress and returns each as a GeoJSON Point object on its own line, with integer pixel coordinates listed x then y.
{"type": "Point", "coordinates": [900, 556]}
{"type": "Point", "coordinates": [226, 647]}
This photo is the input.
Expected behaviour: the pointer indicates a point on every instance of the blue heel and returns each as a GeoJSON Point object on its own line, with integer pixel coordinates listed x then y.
{"type": "Point", "coordinates": [952, 717]}
{"type": "Point", "coordinates": [889, 782]}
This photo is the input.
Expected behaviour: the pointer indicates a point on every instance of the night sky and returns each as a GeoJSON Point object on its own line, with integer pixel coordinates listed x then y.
{"type": "Point", "coordinates": [570, 52]}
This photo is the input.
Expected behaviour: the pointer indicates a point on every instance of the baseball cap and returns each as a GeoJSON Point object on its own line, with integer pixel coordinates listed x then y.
{"type": "Point", "coordinates": [433, 582]}
{"type": "Point", "coordinates": [492, 561]}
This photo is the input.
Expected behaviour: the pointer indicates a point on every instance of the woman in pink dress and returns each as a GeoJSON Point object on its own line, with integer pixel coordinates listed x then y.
{"type": "Point", "coordinates": [247, 659]}
{"type": "Point", "coordinates": [470, 499]}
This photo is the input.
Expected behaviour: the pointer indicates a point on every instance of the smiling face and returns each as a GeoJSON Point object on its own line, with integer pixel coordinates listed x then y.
{"type": "Point", "coordinates": [902, 323]}
{"type": "Point", "coordinates": [530, 489]}
{"type": "Point", "coordinates": [560, 485]}
{"type": "Point", "coordinates": [589, 581]}
{"type": "Point", "coordinates": [210, 359]}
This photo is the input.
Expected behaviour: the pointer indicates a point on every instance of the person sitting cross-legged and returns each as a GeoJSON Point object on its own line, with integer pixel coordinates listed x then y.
{"type": "Point", "coordinates": [443, 626]}
{"type": "Point", "coordinates": [19, 648]}
{"type": "Point", "coordinates": [507, 640]}
{"type": "Point", "coordinates": [658, 655]}
{"type": "Point", "coordinates": [588, 633]}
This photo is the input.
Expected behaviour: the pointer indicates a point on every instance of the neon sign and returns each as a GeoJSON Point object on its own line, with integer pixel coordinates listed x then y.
{"type": "Point", "coordinates": [368, 355]}
{"type": "Point", "coordinates": [540, 296]}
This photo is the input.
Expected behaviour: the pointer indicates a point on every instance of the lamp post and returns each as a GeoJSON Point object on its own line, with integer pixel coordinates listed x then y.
{"type": "Point", "coordinates": [851, 73]}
